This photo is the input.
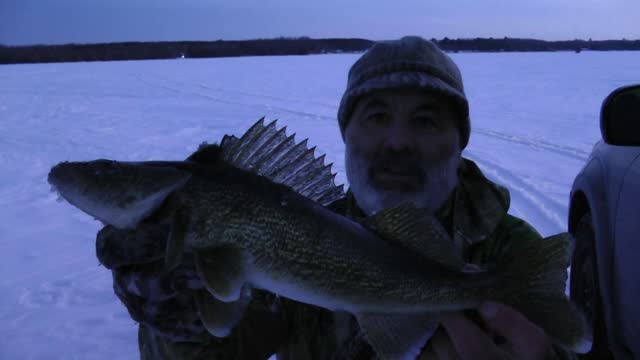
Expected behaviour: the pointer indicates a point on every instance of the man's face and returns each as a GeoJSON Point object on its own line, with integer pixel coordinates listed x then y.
{"type": "Point", "coordinates": [402, 145]}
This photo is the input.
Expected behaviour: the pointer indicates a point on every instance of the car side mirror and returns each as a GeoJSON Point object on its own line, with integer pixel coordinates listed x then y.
{"type": "Point", "coordinates": [620, 117]}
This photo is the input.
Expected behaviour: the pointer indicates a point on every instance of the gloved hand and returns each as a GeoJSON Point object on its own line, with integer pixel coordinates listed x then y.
{"type": "Point", "coordinates": [164, 301]}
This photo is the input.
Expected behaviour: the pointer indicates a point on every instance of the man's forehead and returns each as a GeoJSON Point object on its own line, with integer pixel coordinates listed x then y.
{"type": "Point", "coordinates": [386, 97]}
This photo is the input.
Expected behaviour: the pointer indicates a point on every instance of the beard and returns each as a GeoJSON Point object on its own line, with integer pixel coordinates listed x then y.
{"type": "Point", "coordinates": [428, 184]}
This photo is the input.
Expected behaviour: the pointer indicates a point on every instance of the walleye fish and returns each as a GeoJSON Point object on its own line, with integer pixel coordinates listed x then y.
{"type": "Point", "coordinates": [252, 211]}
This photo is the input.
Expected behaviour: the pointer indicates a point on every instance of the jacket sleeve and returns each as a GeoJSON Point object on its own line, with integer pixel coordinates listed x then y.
{"type": "Point", "coordinates": [510, 230]}
{"type": "Point", "coordinates": [260, 333]}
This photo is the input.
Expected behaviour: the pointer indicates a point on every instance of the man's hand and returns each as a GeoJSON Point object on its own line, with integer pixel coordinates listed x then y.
{"type": "Point", "coordinates": [465, 340]}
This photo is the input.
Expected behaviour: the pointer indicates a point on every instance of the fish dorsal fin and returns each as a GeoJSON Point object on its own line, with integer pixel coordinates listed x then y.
{"type": "Point", "coordinates": [416, 230]}
{"type": "Point", "coordinates": [269, 152]}
{"type": "Point", "coordinates": [207, 154]}
{"type": "Point", "coordinates": [227, 141]}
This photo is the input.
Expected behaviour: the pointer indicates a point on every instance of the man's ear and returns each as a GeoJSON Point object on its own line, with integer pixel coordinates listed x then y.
{"type": "Point", "coordinates": [348, 126]}
{"type": "Point", "coordinates": [343, 131]}
{"type": "Point", "coordinates": [351, 116]}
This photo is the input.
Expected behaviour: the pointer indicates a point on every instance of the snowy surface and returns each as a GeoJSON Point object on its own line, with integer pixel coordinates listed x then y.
{"type": "Point", "coordinates": [534, 120]}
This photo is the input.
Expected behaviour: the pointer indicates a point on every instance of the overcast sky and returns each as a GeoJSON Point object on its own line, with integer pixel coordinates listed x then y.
{"type": "Point", "coordinates": [90, 21]}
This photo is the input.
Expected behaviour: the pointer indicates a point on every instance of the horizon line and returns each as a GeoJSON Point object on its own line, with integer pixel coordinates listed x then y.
{"type": "Point", "coordinates": [309, 38]}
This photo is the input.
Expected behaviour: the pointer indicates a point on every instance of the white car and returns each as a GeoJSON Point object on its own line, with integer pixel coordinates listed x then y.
{"type": "Point", "coordinates": [604, 217]}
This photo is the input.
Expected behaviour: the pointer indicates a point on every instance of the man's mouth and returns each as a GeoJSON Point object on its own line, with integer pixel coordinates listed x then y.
{"type": "Point", "coordinates": [403, 179]}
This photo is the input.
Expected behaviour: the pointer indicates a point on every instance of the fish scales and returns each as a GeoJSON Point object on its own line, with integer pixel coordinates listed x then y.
{"type": "Point", "coordinates": [295, 241]}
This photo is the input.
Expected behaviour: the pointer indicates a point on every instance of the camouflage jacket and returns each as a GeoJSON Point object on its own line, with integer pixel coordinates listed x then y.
{"type": "Point", "coordinates": [476, 217]}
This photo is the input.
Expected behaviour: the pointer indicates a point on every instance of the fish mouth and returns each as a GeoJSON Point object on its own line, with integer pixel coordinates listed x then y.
{"type": "Point", "coordinates": [59, 175]}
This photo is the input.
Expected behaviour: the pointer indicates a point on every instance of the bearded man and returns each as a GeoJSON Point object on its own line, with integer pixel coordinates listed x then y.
{"type": "Point", "coordinates": [404, 118]}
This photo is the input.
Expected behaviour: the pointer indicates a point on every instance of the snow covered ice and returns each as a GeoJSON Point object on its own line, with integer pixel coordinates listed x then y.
{"type": "Point", "coordinates": [534, 117]}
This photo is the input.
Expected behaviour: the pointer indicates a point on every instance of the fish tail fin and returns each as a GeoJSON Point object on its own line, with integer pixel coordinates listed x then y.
{"type": "Point", "coordinates": [560, 319]}
{"type": "Point", "coordinates": [535, 274]}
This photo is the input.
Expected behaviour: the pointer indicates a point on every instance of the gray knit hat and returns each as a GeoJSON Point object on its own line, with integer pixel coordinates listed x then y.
{"type": "Point", "coordinates": [411, 62]}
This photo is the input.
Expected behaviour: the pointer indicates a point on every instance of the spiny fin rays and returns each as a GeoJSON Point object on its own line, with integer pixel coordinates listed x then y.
{"type": "Point", "coordinates": [246, 140]}
{"type": "Point", "coordinates": [274, 156]}
{"type": "Point", "coordinates": [278, 137]}
{"type": "Point", "coordinates": [267, 151]}
{"type": "Point", "coordinates": [227, 142]}
{"type": "Point", "coordinates": [287, 161]}
{"type": "Point", "coordinates": [260, 136]}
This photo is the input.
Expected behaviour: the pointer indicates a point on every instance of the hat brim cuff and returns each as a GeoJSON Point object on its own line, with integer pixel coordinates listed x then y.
{"type": "Point", "coordinates": [397, 80]}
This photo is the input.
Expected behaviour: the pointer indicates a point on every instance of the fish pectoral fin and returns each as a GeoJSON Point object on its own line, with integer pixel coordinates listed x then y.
{"type": "Point", "coordinates": [223, 271]}
{"type": "Point", "coordinates": [416, 230]}
{"type": "Point", "coordinates": [398, 336]}
{"type": "Point", "coordinates": [176, 240]}
{"type": "Point", "coordinates": [219, 317]}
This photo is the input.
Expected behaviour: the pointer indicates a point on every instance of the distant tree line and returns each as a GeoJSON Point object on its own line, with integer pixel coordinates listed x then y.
{"type": "Point", "coordinates": [511, 44]}
{"type": "Point", "coordinates": [177, 49]}
{"type": "Point", "coordinates": [278, 46]}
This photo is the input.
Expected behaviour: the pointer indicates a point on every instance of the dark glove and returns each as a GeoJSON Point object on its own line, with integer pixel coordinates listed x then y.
{"type": "Point", "coordinates": [164, 301]}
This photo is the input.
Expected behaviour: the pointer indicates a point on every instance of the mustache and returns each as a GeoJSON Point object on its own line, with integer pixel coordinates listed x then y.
{"type": "Point", "coordinates": [405, 165]}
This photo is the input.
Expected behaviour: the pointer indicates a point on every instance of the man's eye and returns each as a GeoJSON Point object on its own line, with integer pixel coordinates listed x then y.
{"type": "Point", "coordinates": [425, 121]}
{"type": "Point", "coordinates": [377, 118]}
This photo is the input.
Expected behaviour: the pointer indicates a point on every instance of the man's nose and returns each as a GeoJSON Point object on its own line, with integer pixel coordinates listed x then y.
{"type": "Point", "coordinates": [399, 138]}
